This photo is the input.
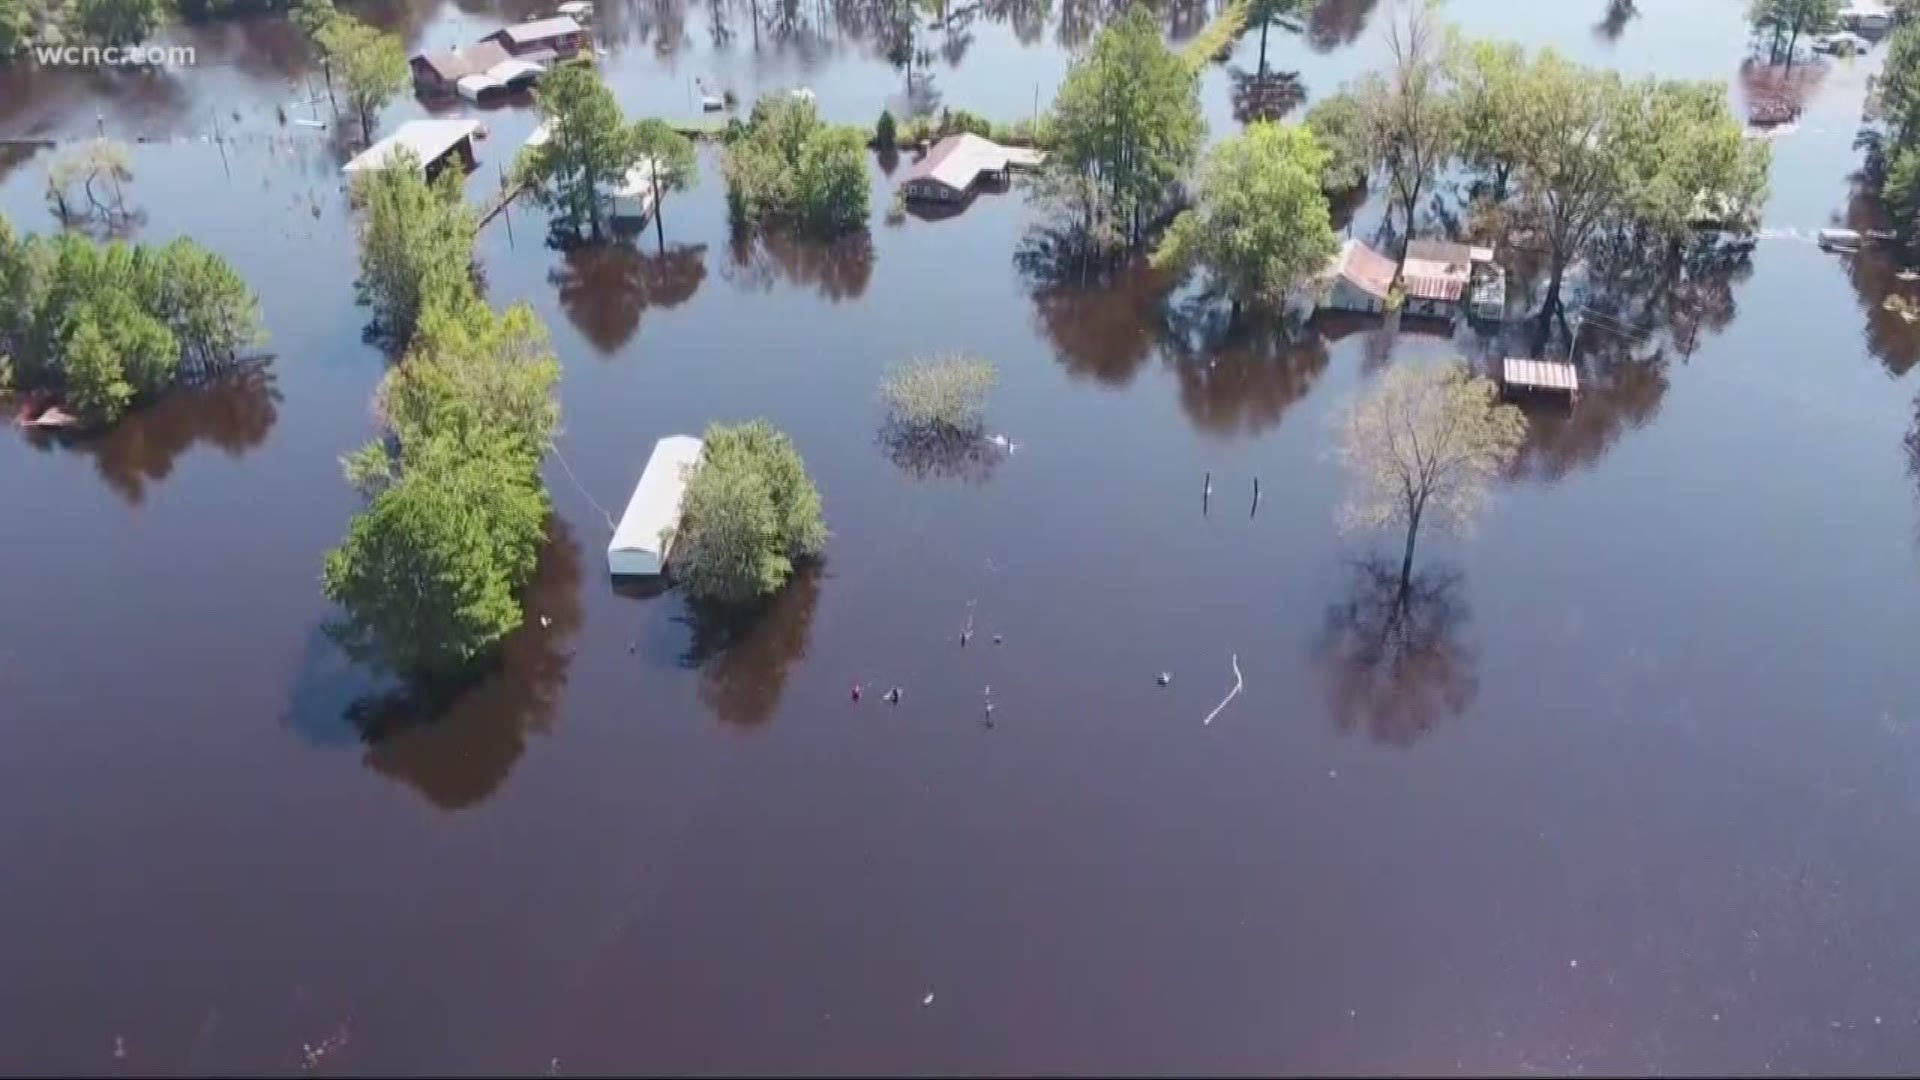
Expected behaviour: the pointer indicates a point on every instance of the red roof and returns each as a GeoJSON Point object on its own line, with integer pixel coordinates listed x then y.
{"type": "Point", "coordinates": [1368, 270]}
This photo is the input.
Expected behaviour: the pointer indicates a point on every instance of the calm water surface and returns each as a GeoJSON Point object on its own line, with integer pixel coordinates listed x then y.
{"type": "Point", "coordinates": [1640, 793]}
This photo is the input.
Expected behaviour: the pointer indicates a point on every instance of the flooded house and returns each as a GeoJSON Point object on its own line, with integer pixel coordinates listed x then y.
{"type": "Point", "coordinates": [478, 72]}
{"type": "Point", "coordinates": [959, 164]}
{"type": "Point", "coordinates": [1433, 281]}
{"type": "Point", "coordinates": [541, 40]}
{"type": "Point", "coordinates": [432, 143]}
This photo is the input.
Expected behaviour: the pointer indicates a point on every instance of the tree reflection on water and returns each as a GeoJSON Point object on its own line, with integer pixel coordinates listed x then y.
{"type": "Point", "coordinates": [605, 289]}
{"type": "Point", "coordinates": [744, 656]}
{"type": "Point", "coordinates": [455, 745]}
{"type": "Point", "coordinates": [837, 269]}
{"type": "Point", "coordinates": [233, 413]}
{"type": "Point", "coordinates": [1394, 664]}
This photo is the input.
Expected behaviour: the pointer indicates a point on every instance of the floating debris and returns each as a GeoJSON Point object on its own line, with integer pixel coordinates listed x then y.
{"type": "Point", "coordinates": [928, 1000]}
{"type": "Point", "coordinates": [1903, 307]}
{"type": "Point", "coordinates": [1165, 678]}
{"type": "Point", "coordinates": [893, 696]}
{"type": "Point", "coordinates": [1238, 684]}
{"type": "Point", "coordinates": [856, 691]}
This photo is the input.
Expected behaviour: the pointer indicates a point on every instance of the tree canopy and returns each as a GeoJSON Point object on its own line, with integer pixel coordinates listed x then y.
{"type": "Point", "coordinates": [749, 512]}
{"type": "Point", "coordinates": [15, 24]}
{"type": "Point", "coordinates": [1267, 13]}
{"type": "Point", "coordinates": [1410, 114]}
{"type": "Point", "coordinates": [416, 242]}
{"type": "Point", "coordinates": [372, 64]}
{"type": "Point", "coordinates": [1340, 130]}
{"type": "Point", "coordinates": [789, 167]}
{"type": "Point", "coordinates": [1128, 117]}
{"type": "Point", "coordinates": [1260, 224]}
{"type": "Point", "coordinates": [588, 151]}
{"type": "Point", "coordinates": [1425, 438]}
{"type": "Point", "coordinates": [117, 22]}
{"type": "Point", "coordinates": [671, 165]}
{"type": "Point", "coordinates": [1789, 19]}
{"type": "Point", "coordinates": [113, 325]}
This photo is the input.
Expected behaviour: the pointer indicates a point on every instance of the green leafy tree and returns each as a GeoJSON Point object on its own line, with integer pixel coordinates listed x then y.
{"type": "Point", "coordinates": [671, 165]}
{"type": "Point", "coordinates": [416, 242]}
{"type": "Point", "coordinates": [787, 166]}
{"type": "Point", "coordinates": [1128, 115]}
{"type": "Point", "coordinates": [1789, 19]}
{"type": "Point", "coordinates": [97, 389]}
{"type": "Point", "coordinates": [1340, 129]}
{"type": "Point", "coordinates": [117, 22]}
{"type": "Point", "coordinates": [146, 352]}
{"type": "Point", "coordinates": [589, 150]}
{"type": "Point", "coordinates": [101, 168]}
{"type": "Point", "coordinates": [1410, 113]}
{"type": "Point", "coordinates": [1488, 80]}
{"type": "Point", "coordinates": [1260, 225]}
{"type": "Point", "coordinates": [428, 574]}
{"type": "Point", "coordinates": [372, 64]}
{"type": "Point", "coordinates": [472, 372]}
{"type": "Point", "coordinates": [885, 131]}
{"type": "Point", "coordinates": [205, 304]}
{"type": "Point", "coordinates": [1426, 439]}
{"type": "Point", "coordinates": [1687, 156]}
{"type": "Point", "coordinates": [750, 511]}
{"type": "Point", "coordinates": [15, 24]}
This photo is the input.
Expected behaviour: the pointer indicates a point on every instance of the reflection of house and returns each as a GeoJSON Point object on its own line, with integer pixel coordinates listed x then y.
{"type": "Point", "coordinates": [958, 163]}
{"type": "Point", "coordinates": [477, 72]}
{"type": "Point", "coordinates": [431, 142]}
{"type": "Point", "coordinates": [542, 39]}
{"type": "Point", "coordinates": [1433, 280]}
{"type": "Point", "coordinates": [644, 538]}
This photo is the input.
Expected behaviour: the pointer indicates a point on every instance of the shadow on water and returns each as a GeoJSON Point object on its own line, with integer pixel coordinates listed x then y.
{"type": "Point", "coordinates": [1885, 300]}
{"type": "Point", "coordinates": [1615, 19]}
{"type": "Point", "coordinates": [233, 413]}
{"type": "Point", "coordinates": [454, 747]}
{"type": "Point", "coordinates": [743, 656]}
{"type": "Point", "coordinates": [1238, 380]}
{"type": "Point", "coordinates": [605, 289]}
{"type": "Point", "coordinates": [1391, 653]}
{"type": "Point", "coordinates": [837, 269]}
{"type": "Point", "coordinates": [1103, 331]}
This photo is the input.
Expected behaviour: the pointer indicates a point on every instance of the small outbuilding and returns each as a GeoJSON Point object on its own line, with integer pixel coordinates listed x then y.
{"type": "Point", "coordinates": [439, 71]}
{"type": "Point", "coordinates": [542, 39]}
{"type": "Point", "coordinates": [644, 537]}
{"type": "Point", "coordinates": [1359, 279]}
{"type": "Point", "coordinates": [633, 199]}
{"type": "Point", "coordinates": [1552, 378]}
{"type": "Point", "coordinates": [957, 164]}
{"type": "Point", "coordinates": [431, 142]}
{"type": "Point", "coordinates": [1433, 280]}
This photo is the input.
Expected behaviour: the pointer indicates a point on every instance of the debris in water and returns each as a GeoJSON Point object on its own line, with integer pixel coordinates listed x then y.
{"type": "Point", "coordinates": [893, 696]}
{"type": "Point", "coordinates": [1165, 678]}
{"type": "Point", "coordinates": [1004, 443]}
{"type": "Point", "coordinates": [1238, 683]}
{"type": "Point", "coordinates": [928, 1000]}
{"type": "Point", "coordinates": [545, 622]}
{"type": "Point", "coordinates": [997, 639]}
{"type": "Point", "coordinates": [119, 1048]}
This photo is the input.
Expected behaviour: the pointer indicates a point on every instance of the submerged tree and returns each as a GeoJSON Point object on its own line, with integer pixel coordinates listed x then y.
{"type": "Point", "coordinates": [101, 168]}
{"type": "Point", "coordinates": [671, 165]}
{"type": "Point", "coordinates": [1410, 114]}
{"type": "Point", "coordinates": [1789, 19]}
{"type": "Point", "coordinates": [1128, 118]}
{"type": "Point", "coordinates": [589, 149]}
{"type": "Point", "coordinates": [117, 22]}
{"type": "Point", "coordinates": [15, 25]}
{"type": "Point", "coordinates": [1265, 13]}
{"type": "Point", "coordinates": [372, 64]}
{"type": "Point", "coordinates": [788, 167]}
{"type": "Point", "coordinates": [416, 243]}
{"type": "Point", "coordinates": [749, 513]}
{"type": "Point", "coordinates": [1425, 438]}
{"type": "Point", "coordinates": [1491, 90]}
{"type": "Point", "coordinates": [1339, 127]}
{"type": "Point", "coordinates": [1260, 225]}
{"type": "Point", "coordinates": [936, 411]}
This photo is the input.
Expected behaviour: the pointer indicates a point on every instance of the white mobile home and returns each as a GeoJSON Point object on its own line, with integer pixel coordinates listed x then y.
{"type": "Point", "coordinates": [645, 536]}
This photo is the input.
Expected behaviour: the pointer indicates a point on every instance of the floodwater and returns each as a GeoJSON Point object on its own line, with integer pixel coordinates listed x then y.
{"type": "Point", "coordinates": [1632, 787]}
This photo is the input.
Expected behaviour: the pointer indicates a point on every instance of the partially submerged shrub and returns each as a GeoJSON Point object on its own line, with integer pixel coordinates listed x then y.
{"type": "Point", "coordinates": [750, 511]}
{"type": "Point", "coordinates": [944, 398]}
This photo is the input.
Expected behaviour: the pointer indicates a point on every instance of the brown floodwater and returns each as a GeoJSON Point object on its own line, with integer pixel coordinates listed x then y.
{"type": "Point", "coordinates": [1630, 786]}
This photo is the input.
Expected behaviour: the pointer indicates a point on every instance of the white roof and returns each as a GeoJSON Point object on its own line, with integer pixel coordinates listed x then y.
{"type": "Point", "coordinates": [428, 139]}
{"type": "Point", "coordinates": [654, 511]}
{"type": "Point", "coordinates": [508, 70]}
{"type": "Point", "coordinates": [541, 133]}
{"type": "Point", "coordinates": [527, 33]}
{"type": "Point", "coordinates": [573, 8]}
{"type": "Point", "coordinates": [472, 86]}
{"type": "Point", "coordinates": [638, 181]}
{"type": "Point", "coordinates": [957, 160]}
{"type": "Point", "coordinates": [1543, 374]}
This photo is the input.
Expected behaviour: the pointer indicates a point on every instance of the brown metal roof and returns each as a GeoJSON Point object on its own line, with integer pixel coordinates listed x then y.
{"type": "Point", "coordinates": [455, 64]}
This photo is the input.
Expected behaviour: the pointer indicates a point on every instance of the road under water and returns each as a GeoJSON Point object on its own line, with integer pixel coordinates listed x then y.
{"type": "Point", "coordinates": [1634, 790]}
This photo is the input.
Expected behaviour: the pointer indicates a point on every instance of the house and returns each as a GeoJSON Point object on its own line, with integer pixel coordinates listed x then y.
{"type": "Point", "coordinates": [431, 142]}
{"type": "Point", "coordinates": [957, 164]}
{"type": "Point", "coordinates": [633, 198]}
{"type": "Point", "coordinates": [644, 538]}
{"type": "Point", "coordinates": [440, 71]}
{"type": "Point", "coordinates": [506, 77]}
{"type": "Point", "coordinates": [541, 40]}
{"type": "Point", "coordinates": [1433, 280]}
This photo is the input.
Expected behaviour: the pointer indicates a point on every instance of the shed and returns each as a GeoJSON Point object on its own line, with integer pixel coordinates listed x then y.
{"type": "Point", "coordinates": [431, 142]}
{"type": "Point", "coordinates": [644, 538]}
{"type": "Point", "coordinates": [633, 199]}
{"type": "Point", "coordinates": [1358, 279]}
{"type": "Point", "coordinates": [956, 164]}
{"type": "Point", "coordinates": [1540, 376]}
{"type": "Point", "coordinates": [541, 39]}
{"type": "Point", "coordinates": [1489, 292]}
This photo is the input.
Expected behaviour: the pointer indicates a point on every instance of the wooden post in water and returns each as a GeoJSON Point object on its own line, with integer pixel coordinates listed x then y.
{"type": "Point", "coordinates": [1256, 497]}
{"type": "Point", "coordinates": [1206, 493]}
{"type": "Point", "coordinates": [221, 142]}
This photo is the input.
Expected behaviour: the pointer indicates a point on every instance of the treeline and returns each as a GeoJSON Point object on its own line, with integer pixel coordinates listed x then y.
{"type": "Point", "coordinates": [787, 166]}
{"type": "Point", "coordinates": [1893, 160]}
{"type": "Point", "coordinates": [430, 572]}
{"type": "Point", "coordinates": [110, 326]}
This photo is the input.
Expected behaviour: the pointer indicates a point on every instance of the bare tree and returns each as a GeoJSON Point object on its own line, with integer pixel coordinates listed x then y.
{"type": "Point", "coordinates": [100, 167]}
{"type": "Point", "coordinates": [1425, 438]}
{"type": "Point", "coordinates": [1409, 113]}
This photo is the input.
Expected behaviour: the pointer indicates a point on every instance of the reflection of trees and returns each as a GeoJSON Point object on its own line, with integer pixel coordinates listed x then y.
{"type": "Point", "coordinates": [1394, 663]}
{"type": "Point", "coordinates": [1874, 273]}
{"type": "Point", "coordinates": [1336, 24]}
{"type": "Point", "coordinates": [1618, 392]}
{"type": "Point", "coordinates": [837, 269]}
{"type": "Point", "coordinates": [743, 657]}
{"type": "Point", "coordinates": [1027, 18]}
{"type": "Point", "coordinates": [1268, 96]}
{"type": "Point", "coordinates": [1102, 331]}
{"type": "Point", "coordinates": [1764, 83]}
{"type": "Point", "coordinates": [1238, 380]}
{"type": "Point", "coordinates": [1614, 21]}
{"type": "Point", "coordinates": [233, 413]}
{"type": "Point", "coordinates": [457, 748]}
{"type": "Point", "coordinates": [606, 288]}
{"type": "Point", "coordinates": [968, 458]}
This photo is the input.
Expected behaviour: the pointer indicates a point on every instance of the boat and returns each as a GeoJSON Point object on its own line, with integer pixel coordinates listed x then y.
{"type": "Point", "coordinates": [1840, 240]}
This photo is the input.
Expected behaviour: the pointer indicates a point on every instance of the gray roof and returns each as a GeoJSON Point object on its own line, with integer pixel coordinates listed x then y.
{"type": "Point", "coordinates": [427, 140]}
{"type": "Point", "coordinates": [529, 33]}
{"type": "Point", "coordinates": [456, 63]}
